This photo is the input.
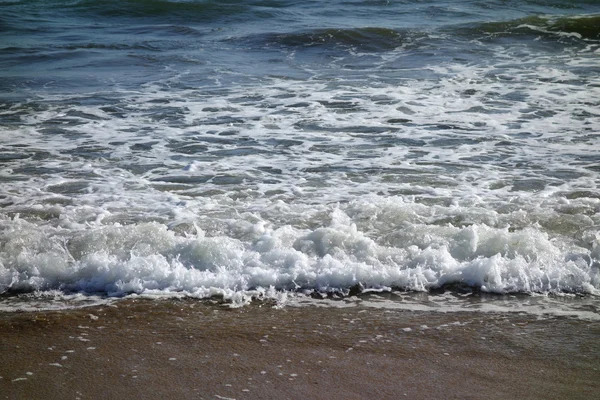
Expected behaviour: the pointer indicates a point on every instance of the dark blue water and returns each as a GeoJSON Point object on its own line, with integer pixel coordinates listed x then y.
{"type": "Point", "coordinates": [240, 148]}
{"type": "Point", "coordinates": [74, 45]}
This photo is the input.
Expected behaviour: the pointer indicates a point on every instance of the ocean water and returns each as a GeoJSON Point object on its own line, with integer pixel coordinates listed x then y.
{"type": "Point", "coordinates": [250, 149]}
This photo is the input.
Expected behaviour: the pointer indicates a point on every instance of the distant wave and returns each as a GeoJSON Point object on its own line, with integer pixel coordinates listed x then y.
{"type": "Point", "coordinates": [383, 39]}
{"type": "Point", "coordinates": [368, 39]}
{"type": "Point", "coordinates": [190, 10]}
{"type": "Point", "coordinates": [585, 27]}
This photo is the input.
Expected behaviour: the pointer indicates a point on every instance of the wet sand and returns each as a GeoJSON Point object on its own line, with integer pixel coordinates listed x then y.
{"type": "Point", "coordinates": [142, 349]}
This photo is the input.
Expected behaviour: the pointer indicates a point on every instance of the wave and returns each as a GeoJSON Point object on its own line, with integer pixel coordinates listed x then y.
{"type": "Point", "coordinates": [368, 39]}
{"type": "Point", "coordinates": [151, 257]}
{"type": "Point", "coordinates": [584, 27]}
{"type": "Point", "coordinates": [166, 9]}
{"type": "Point", "coordinates": [384, 39]}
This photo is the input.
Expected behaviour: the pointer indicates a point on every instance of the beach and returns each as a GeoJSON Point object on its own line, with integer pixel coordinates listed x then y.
{"type": "Point", "coordinates": [197, 349]}
{"type": "Point", "coordinates": [277, 199]}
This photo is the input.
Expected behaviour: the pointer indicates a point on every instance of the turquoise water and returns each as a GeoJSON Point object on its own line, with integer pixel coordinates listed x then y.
{"type": "Point", "coordinates": [256, 148]}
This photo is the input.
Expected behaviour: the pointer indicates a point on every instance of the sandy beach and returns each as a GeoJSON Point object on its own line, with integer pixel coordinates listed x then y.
{"type": "Point", "coordinates": [194, 349]}
{"type": "Point", "coordinates": [407, 193]}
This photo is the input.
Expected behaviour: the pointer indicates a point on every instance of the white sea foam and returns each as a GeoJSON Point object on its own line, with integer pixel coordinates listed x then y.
{"type": "Point", "coordinates": [485, 176]}
{"type": "Point", "coordinates": [147, 258]}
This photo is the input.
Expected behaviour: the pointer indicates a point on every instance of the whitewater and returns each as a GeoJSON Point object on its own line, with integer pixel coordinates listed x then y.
{"type": "Point", "coordinates": [164, 156]}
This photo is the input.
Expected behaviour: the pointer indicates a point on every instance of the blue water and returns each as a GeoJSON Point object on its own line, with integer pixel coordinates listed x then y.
{"type": "Point", "coordinates": [254, 148]}
{"type": "Point", "coordinates": [84, 45]}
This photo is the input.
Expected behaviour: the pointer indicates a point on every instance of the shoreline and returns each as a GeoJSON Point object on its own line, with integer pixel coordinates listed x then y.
{"type": "Point", "coordinates": [201, 349]}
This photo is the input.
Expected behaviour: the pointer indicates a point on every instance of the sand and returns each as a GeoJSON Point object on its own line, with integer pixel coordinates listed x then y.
{"type": "Point", "coordinates": [187, 349]}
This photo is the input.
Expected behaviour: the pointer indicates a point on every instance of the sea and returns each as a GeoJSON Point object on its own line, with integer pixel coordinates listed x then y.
{"type": "Point", "coordinates": [424, 154]}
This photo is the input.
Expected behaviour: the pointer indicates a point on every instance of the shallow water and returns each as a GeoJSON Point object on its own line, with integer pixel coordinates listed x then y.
{"type": "Point", "coordinates": [248, 148]}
